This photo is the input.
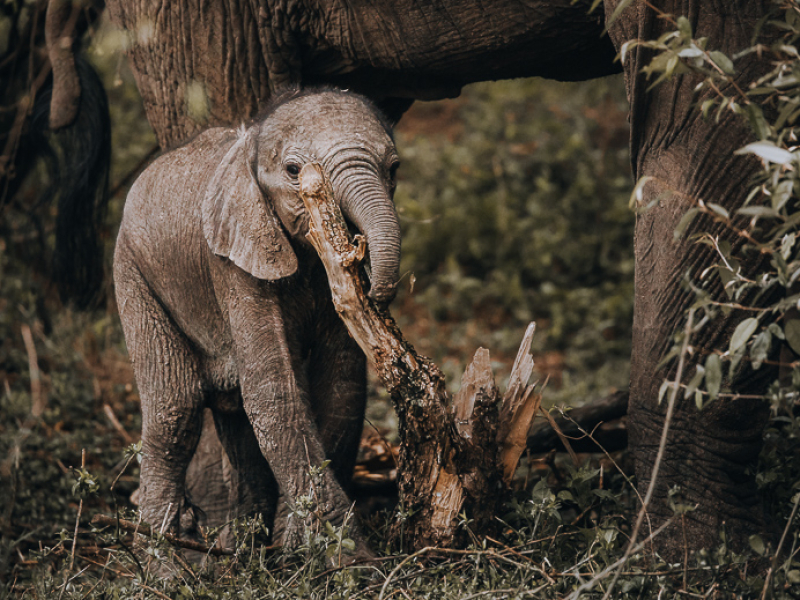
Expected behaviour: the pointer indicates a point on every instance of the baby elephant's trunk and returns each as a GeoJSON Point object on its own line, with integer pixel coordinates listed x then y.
{"type": "Point", "coordinates": [366, 201]}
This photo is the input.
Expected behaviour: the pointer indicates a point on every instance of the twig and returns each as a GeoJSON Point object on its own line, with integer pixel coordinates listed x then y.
{"type": "Point", "coordinates": [78, 518]}
{"type": "Point", "coordinates": [660, 456]}
{"type": "Point", "coordinates": [561, 436]}
{"type": "Point", "coordinates": [361, 562]}
{"type": "Point", "coordinates": [613, 462]}
{"type": "Point", "coordinates": [37, 400]}
{"type": "Point", "coordinates": [117, 425]}
{"type": "Point", "coordinates": [164, 522]}
{"type": "Point", "coordinates": [774, 564]}
{"type": "Point", "coordinates": [143, 529]}
{"type": "Point", "coordinates": [602, 574]}
{"type": "Point", "coordinates": [75, 534]}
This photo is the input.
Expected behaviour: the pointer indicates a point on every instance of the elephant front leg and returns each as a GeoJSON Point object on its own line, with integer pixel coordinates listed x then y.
{"type": "Point", "coordinates": [171, 389]}
{"type": "Point", "coordinates": [707, 462]}
{"type": "Point", "coordinates": [289, 440]}
{"type": "Point", "coordinates": [275, 398]}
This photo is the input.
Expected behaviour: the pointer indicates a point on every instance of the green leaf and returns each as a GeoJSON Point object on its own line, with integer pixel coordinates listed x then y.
{"type": "Point", "coordinates": [695, 382]}
{"type": "Point", "coordinates": [760, 348]}
{"type": "Point", "coordinates": [776, 330]}
{"type": "Point", "coordinates": [792, 332]}
{"type": "Point", "coordinates": [787, 243]}
{"type": "Point", "coordinates": [727, 275]}
{"type": "Point", "coordinates": [623, 51]}
{"type": "Point", "coordinates": [617, 11]}
{"type": "Point", "coordinates": [637, 195]}
{"type": "Point", "coordinates": [672, 64]}
{"type": "Point", "coordinates": [757, 121]}
{"type": "Point", "coordinates": [768, 152]}
{"type": "Point", "coordinates": [759, 211]}
{"type": "Point", "coordinates": [723, 62]}
{"type": "Point", "coordinates": [742, 333]}
{"type": "Point", "coordinates": [713, 375]}
{"type": "Point", "coordinates": [698, 399]}
{"type": "Point", "coordinates": [717, 209]}
{"type": "Point", "coordinates": [685, 221]}
{"type": "Point", "coordinates": [782, 194]}
{"type": "Point", "coordinates": [685, 27]}
{"type": "Point", "coordinates": [666, 385]}
{"type": "Point", "coordinates": [757, 544]}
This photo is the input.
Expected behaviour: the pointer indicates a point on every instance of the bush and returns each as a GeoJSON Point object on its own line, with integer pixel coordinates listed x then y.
{"type": "Point", "coordinates": [518, 213]}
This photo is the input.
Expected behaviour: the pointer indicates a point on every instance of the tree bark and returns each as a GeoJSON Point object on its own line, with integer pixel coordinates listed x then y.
{"type": "Point", "coordinates": [456, 454]}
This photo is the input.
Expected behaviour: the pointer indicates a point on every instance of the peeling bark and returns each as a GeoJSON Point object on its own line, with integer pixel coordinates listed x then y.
{"type": "Point", "coordinates": [457, 454]}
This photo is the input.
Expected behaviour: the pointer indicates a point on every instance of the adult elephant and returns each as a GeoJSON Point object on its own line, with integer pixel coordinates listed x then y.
{"type": "Point", "coordinates": [396, 51]}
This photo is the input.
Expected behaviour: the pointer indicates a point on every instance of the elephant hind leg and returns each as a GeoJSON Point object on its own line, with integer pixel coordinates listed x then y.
{"type": "Point", "coordinates": [338, 379]}
{"type": "Point", "coordinates": [253, 489]}
{"type": "Point", "coordinates": [171, 387]}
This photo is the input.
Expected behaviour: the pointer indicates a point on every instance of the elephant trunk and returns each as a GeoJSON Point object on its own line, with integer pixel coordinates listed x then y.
{"type": "Point", "coordinates": [366, 202]}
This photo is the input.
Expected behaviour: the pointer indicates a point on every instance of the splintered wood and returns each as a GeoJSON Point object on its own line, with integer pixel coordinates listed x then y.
{"type": "Point", "coordinates": [456, 454]}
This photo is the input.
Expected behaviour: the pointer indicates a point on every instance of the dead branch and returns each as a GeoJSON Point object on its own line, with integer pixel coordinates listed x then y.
{"type": "Point", "coordinates": [144, 529]}
{"type": "Point", "coordinates": [450, 458]}
{"type": "Point", "coordinates": [37, 397]}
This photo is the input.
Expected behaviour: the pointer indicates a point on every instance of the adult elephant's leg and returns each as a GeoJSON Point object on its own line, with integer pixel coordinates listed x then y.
{"type": "Point", "coordinates": [709, 453]}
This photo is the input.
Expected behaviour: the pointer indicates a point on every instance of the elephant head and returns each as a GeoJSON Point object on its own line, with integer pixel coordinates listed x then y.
{"type": "Point", "coordinates": [256, 184]}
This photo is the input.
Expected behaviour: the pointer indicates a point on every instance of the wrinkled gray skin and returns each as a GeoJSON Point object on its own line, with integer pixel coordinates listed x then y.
{"type": "Point", "coordinates": [222, 309]}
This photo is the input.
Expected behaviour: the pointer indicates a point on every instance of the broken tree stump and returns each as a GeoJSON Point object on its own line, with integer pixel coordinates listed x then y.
{"type": "Point", "coordinates": [457, 454]}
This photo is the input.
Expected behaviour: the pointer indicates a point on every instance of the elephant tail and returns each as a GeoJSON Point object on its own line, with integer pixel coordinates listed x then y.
{"type": "Point", "coordinates": [77, 158]}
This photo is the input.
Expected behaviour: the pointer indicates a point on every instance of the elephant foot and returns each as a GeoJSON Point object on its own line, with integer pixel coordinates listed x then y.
{"type": "Point", "coordinates": [705, 488]}
{"type": "Point", "coordinates": [341, 547]}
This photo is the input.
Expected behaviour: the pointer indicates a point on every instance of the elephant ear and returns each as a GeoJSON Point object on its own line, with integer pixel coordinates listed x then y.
{"type": "Point", "coordinates": [238, 219]}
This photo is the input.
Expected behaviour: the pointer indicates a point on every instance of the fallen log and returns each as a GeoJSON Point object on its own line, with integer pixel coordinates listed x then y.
{"type": "Point", "coordinates": [457, 454]}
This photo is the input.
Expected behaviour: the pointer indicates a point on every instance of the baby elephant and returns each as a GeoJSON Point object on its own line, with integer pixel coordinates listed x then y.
{"type": "Point", "coordinates": [225, 305]}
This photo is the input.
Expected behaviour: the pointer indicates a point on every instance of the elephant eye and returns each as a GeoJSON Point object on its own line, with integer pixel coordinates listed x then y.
{"type": "Point", "coordinates": [393, 171]}
{"type": "Point", "coordinates": [293, 169]}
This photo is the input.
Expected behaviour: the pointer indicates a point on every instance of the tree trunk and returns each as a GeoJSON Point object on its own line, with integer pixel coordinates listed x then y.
{"type": "Point", "coordinates": [456, 454]}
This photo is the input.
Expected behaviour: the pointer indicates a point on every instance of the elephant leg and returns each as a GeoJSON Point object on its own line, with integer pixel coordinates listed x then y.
{"type": "Point", "coordinates": [208, 476]}
{"type": "Point", "coordinates": [171, 389]}
{"type": "Point", "coordinates": [709, 453]}
{"type": "Point", "coordinates": [253, 489]}
{"type": "Point", "coordinates": [339, 392]}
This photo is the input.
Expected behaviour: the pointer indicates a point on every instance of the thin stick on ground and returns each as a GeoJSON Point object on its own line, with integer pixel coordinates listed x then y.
{"type": "Point", "coordinates": [616, 565]}
{"type": "Point", "coordinates": [37, 398]}
{"type": "Point", "coordinates": [143, 529]}
{"type": "Point", "coordinates": [774, 564]}
{"type": "Point", "coordinates": [78, 518]}
{"type": "Point", "coordinates": [75, 533]}
{"type": "Point", "coordinates": [659, 457]}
